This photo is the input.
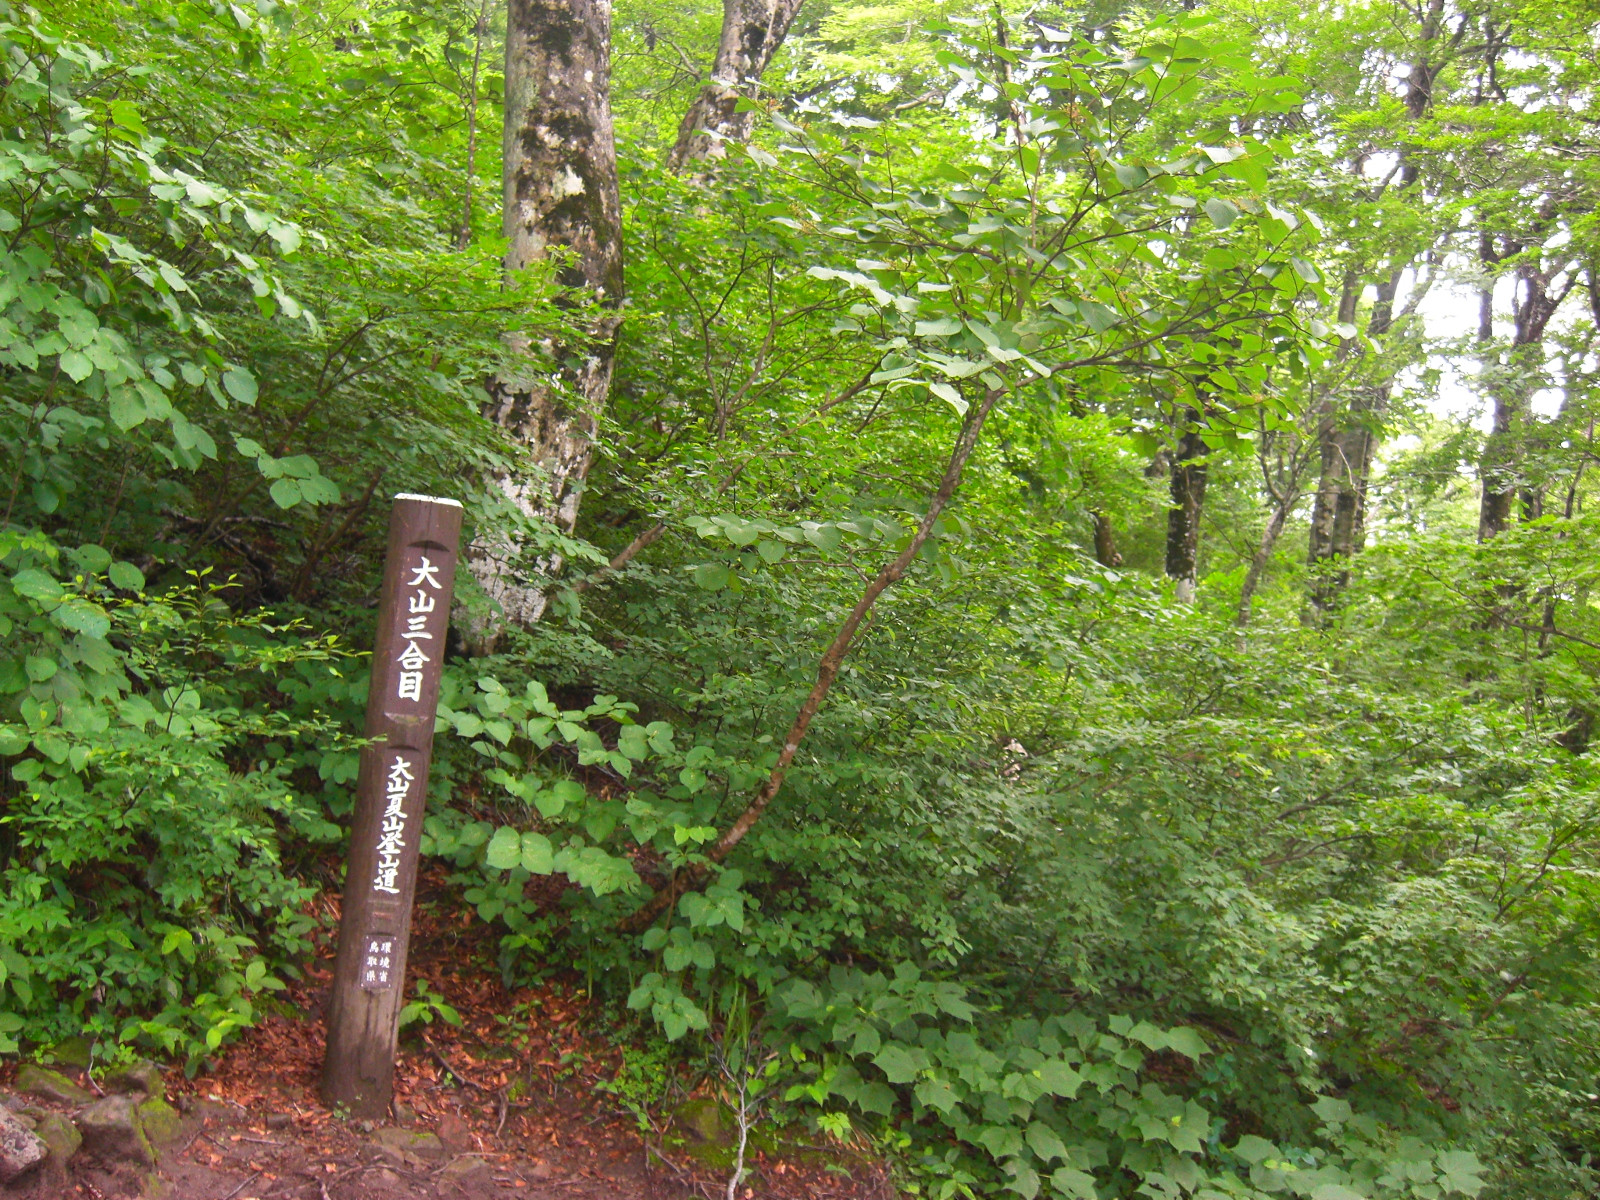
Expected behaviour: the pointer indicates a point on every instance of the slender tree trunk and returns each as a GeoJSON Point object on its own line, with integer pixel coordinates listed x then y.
{"type": "Point", "coordinates": [828, 669]}
{"type": "Point", "coordinates": [1339, 512]}
{"type": "Point", "coordinates": [1281, 508]}
{"type": "Point", "coordinates": [1511, 387]}
{"type": "Point", "coordinates": [1105, 542]}
{"type": "Point", "coordinates": [560, 197]}
{"type": "Point", "coordinates": [469, 183]}
{"type": "Point", "coordinates": [1183, 518]}
{"type": "Point", "coordinates": [752, 32]}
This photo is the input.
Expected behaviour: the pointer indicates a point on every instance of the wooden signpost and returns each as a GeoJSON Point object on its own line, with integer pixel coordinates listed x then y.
{"type": "Point", "coordinates": [391, 793]}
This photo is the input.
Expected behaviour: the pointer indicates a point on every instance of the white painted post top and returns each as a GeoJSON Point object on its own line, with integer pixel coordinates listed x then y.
{"type": "Point", "coordinates": [428, 499]}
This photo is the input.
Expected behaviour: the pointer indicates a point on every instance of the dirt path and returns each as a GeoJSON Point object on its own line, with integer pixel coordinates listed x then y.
{"type": "Point", "coordinates": [510, 1103]}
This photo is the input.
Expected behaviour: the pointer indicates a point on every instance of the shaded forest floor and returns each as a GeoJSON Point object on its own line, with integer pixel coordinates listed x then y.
{"type": "Point", "coordinates": [521, 1099]}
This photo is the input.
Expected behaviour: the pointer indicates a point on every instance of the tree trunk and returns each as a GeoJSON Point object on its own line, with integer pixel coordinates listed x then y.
{"type": "Point", "coordinates": [1183, 518]}
{"type": "Point", "coordinates": [1258, 560]}
{"type": "Point", "coordinates": [827, 671]}
{"type": "Point", "coordinates": [1339, 512]}
{"type": "Point", "coordinates": [479, 31]}
{"type": "Point", "coordinates": [560, 195]}
{"type": "Point", "coordinates": [1105, 542]}
{"type": "Point", "coordinates": [752, 31]}
{"type": "Point", "coordinates": [1511, 387]}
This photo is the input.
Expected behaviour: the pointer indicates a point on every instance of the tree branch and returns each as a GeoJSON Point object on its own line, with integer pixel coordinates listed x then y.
{"type": "Point", "coordinates": [827, 672]}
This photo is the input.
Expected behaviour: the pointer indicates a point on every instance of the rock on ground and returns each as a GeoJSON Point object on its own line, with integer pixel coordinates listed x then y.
{"type": "Point", "coordinates": [111, 1130]}
{"type": "Point", "coordinates": [20, 1148]}
{"type": "Point", "coordinates": [140, 1077]}
{"type": "Point", "coordinates": [60, 1135]}
{"type": "Point", "coordinates": [34, 1080]}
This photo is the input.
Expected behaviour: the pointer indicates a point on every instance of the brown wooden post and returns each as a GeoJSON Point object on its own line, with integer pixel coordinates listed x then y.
{"type": "Point", "coordinates": [391, 793]}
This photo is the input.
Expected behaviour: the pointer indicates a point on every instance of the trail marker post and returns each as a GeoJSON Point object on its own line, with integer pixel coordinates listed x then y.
{"type": "Point", "coordinates": [391, 792]}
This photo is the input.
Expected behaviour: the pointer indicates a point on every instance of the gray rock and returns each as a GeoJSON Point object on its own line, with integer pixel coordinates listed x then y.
{"type": "Point", "coordinates": [223, 1112]}
{"type": "Point", "coordinates": [703, 1121]}
{"type": "Point", "coordinates": [73, 1052]}
{"type": "Point", "coordinates": [463, 1167]}
{"type": "Point", "coordinates": [20, 1148]}
{"type": "Point", "coordinates": [34, 1080]}
{"type": "Point", "coordinates": [60, 1135]}
{"type": "Point", "coordinates": [455, 1134]}
{"type": "Point", "coordinates": [408, 1147]}
{"type": "Point", "coordinates": [139, 1077]}
{"type": "Point", "coordinates": [160, 1122]}
{"type": "Point", "coordinates": [112, 1131]}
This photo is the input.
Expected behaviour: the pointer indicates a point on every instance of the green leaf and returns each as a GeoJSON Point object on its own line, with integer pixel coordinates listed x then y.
{"type": "Point", "coordinates": [1222, 212]}
{"type": "Point", "coordinates": [82, 616]}
{"type": "Point", "coordinates": [1045, 1142]}
{"type": "Point", "coordinates": [937, 1094]}
{"type": "Point", "coordinates": [1059, 1079]}
{"type": "Point", "coordinates": [1129, 175]}
{"type": "Point", "coordinates": [1188, 1042]}
{"type": "Point", "coordinates": [823, 537]}
{"type": "Point", "coordinates": [900, 1064]}
{"type": "Point", "coordinates": [1001, 1141]}
{"type": "Point", "coordinates": [1024, 1180]}
{"type": "Point", "coordinates": [505, 849]}
{"type": "Point", "coordinates": [950, 396]}
{"type": "Point", "coordinates": [285, 493]}
{"type": "Point", "coordinates": [538, 856]}
{"type": "Point", "coordinates": [1253, 1149]}
{"type": "Point", "coordinates": [240, 384]}
{"type": "Point", "coordinates": [1074, 1184]}
{"type": "Point", "coordinates": [769, 550]}
{"type": "Point", "coordinates": [126, 408]}
{"type": "Point", "coordinates": [126, 576]}
{"type": "Point", "coordinates": [76, 364]}
{"type": "Point", "coordinates": [712, 576]}
{"type": "Point", "coordinates": [633, 741]}
{"type": "Point", "coordinates": [1461, 1171]}
{"type": "Point", "coordinates": [125, 115]}
{"type": "Point", "coordinates": [36, 585]}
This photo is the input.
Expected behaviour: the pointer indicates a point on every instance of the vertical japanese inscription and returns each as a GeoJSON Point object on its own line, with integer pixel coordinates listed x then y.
{"type": "Point", "coordinates": [392, 833]}
{"type": "Point", "coordinates": [391, 793]}
{"type": "Point", "coordinates": [377, 963]}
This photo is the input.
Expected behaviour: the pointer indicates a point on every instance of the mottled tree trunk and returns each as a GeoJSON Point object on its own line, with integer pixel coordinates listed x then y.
{"type": "Point", "coordinates": [752, 31]}
{"type": "Point", "coordinates": [1183, 518]}
{"type": "Point", "coordinates": [1511, 387]}
{"type": "Point", "coordinates": [560, 198]}
{"type": "Point", "coordinates": [1258, 561]}
{"type": "Point", "coordinates": [1105, 542]}
{"type": "Point", "coordinates": [1339, 510]}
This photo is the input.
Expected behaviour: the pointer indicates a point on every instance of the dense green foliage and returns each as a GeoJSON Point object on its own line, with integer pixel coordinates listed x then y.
{"type": "Point", "coordinates": [1075, 889]}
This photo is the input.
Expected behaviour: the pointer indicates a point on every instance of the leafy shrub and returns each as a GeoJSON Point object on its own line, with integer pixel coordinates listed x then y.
{"type": "Point", "coordinates": [148, 798]}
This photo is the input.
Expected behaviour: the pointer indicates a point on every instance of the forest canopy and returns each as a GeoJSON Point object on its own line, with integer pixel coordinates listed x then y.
{"type": "Point", "coordinates": [1035, 560]}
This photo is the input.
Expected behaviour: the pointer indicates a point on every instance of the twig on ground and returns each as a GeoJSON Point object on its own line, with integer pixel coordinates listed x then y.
{"type": "Point", "coordinates": [243, 1185]}
{"type": "Point", "coordinates": [445, 1063]}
